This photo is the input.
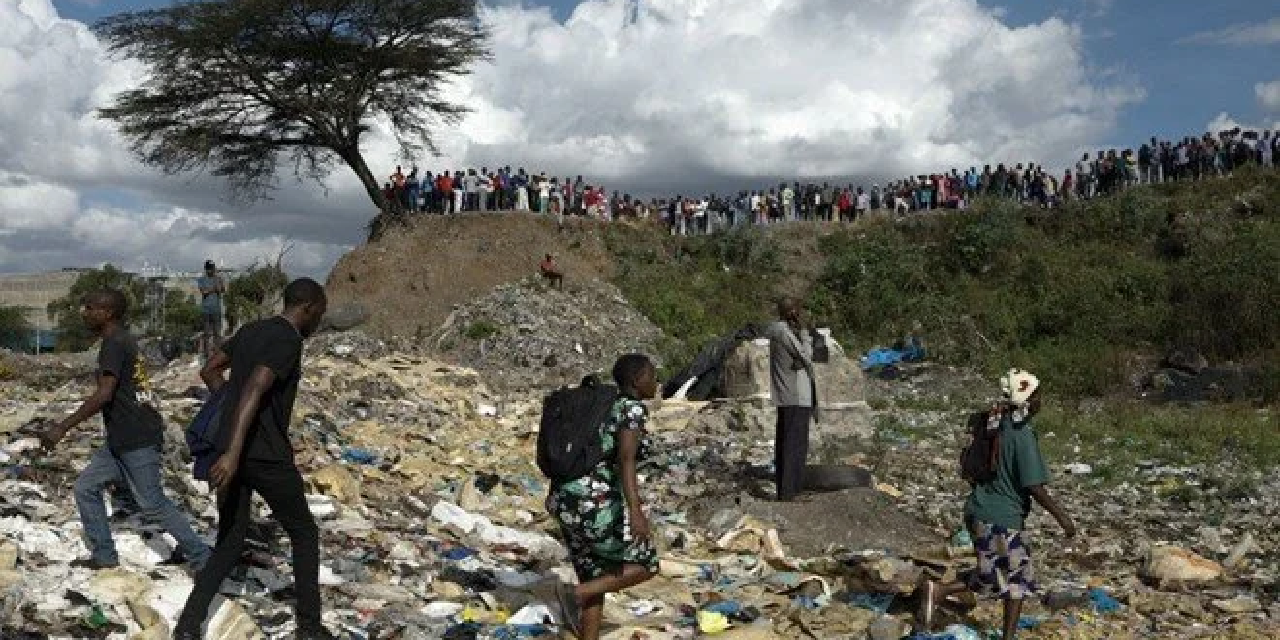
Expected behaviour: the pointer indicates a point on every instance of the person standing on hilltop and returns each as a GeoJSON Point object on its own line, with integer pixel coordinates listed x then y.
{"type": "Point", "coordinates": [265, 360]}
{"type": "Point", "coordinates": [135, 435]}
{"type": "Point", "coordinates": [791, 385]}
{"type": "Point", "coordinates": [998, 505]}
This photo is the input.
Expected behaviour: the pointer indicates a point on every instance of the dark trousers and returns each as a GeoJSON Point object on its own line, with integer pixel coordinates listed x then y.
{"type": "Point", "coordinates": [790, 449]}
{"type": "Point", "coordinates": [280, 485]}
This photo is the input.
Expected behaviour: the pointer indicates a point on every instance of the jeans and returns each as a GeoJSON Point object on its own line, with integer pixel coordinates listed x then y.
{"type": "Point", "coordinates": [140, 471]}
{"type": "Point", "coordinates": [280, 484]}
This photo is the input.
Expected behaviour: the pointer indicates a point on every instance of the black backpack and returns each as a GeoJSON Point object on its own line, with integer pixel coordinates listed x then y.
{"type": "Point", "coordinates": [978, 460]}
{"type": "Point", "coordinates": [569, 444]}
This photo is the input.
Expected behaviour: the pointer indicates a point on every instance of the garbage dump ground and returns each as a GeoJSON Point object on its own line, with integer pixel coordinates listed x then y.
{"type": "Point", "coordinates": [431, 509]}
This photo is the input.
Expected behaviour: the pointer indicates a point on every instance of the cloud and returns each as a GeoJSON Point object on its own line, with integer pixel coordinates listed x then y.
{"type": "Point", "coordinates": [719, 92]}
{"type": "Point", "coordinates": [1226, 122]}
{"type": "Point", "coordinates": [1268, 95]}
{"type": "Point", "coordinates": [1241, 34]}
{"type": "Point", "coordinates": [1098, 8]}
{"type": "Point", "coordinates": [651, 97]}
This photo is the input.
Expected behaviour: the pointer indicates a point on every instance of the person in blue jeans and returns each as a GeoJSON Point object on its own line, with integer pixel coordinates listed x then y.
{"type": "Point", "coordinates": [135, 434]}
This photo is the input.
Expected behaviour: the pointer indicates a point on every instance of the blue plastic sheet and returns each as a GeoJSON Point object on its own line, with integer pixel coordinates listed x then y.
{"type": "Point", "coordinates": [1103, 602]}
{"type": "Point", "coordinates": [878, 602]}
{"type": "Point", "coordinates": [457, 553]}
{"type": "Point", "coordinates": [356, 455]}
{"type": "Point", "coordinates": [728, 608]}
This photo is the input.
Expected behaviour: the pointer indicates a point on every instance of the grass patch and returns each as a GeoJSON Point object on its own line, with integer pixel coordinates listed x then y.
{"type": "Point", "coordinates": [480, 330]}
{"type": "Point", "coordinates": [1078, 294]}
{"type": "Point", "coordinates": [1114, 438]}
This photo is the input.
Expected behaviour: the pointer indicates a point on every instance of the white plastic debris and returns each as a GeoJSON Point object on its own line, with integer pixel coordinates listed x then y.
{"type": "Point", "coordinates": [536, 543]}
{"type": "Point", "coordinates": [321, 506]}
{"type": "Point", "coordinates": [531, 614]}
{"type": "Point", "coordinates": [441, 609]}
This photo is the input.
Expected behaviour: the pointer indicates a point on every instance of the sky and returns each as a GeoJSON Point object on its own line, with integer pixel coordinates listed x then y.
{"type": "Point", "coordinates": [651, 97]}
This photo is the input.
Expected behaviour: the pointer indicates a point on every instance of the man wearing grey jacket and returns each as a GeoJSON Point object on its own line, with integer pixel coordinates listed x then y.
{"type": "Point", "coordinates": [794, 394]}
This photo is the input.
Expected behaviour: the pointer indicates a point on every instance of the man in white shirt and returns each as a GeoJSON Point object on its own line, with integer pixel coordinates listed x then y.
{"type": "Point", "coordinates": [484, 185]}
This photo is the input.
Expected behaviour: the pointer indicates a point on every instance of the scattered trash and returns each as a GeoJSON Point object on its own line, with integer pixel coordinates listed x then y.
{"type": "Point", "coordinates": [1168, 564]}
{"type": "Point", "coordinates": [422, 476]}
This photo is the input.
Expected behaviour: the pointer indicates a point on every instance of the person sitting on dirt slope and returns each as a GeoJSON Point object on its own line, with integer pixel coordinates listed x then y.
{"type": "Point", "coordinates": [600, 515]}
{"type": "Point", "coordinates": [995, 513]}
{"type": "Point", "coordinates": [551, 271]}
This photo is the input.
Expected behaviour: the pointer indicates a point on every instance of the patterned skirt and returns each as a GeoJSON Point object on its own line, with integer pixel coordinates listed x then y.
{"type": "Point", "coordinates": [593, 521]}
{"type": "Point", "coordinates": [1004, 563]}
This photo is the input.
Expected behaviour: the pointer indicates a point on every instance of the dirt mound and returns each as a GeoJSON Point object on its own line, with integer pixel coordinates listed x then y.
{"type": "Point", "coordinates": [530, 335]}
{"type": "Point", "coordinates": [813, 525]}
{"type": "Point", "coordinates": [412, 279]}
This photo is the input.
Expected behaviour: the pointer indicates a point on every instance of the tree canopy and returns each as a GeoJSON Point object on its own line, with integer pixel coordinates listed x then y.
{"type": "Point", "coordinates": [14, 328]}
{"type": "Point", "coordinates": [256, 293]}
{"type": "Point", "coordinates": [235, 86]}
{"type": "Point", "coordinates": [181, 313]}
{"type": "Point", "coordinates": [73, 335]}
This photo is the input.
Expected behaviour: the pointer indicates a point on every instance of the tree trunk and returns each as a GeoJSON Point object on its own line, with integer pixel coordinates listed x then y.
{"type": "Point", "coordinates": [386, 213]}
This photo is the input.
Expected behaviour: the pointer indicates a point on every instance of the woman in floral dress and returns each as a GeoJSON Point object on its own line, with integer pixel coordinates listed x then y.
{"type": "Point", "coordinates": [600, 515]}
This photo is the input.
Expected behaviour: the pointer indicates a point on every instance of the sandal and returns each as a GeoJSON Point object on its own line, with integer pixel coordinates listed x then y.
{"type": "Point", "coordinates": [569, 610]}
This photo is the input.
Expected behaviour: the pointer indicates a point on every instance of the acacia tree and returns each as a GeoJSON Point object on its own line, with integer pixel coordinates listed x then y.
{"type": "Point", "coordinates": [235, 86]}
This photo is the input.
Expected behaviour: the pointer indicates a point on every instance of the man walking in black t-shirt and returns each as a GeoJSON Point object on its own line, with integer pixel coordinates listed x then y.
{"type": "Point", "coordinates": [265, 360]}
{"type": "Point", "coordinates": [135, 433]}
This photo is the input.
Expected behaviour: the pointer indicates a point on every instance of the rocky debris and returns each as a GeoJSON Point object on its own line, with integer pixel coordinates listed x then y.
{"type": "Point", "coordinates": [47, 371]}
{"type": "Point", "coordinates": [422, 478]}
{"type": "Point", "coordinates": [1166, 545]}
{"type": "Point", "coordinates": [345, 316]}
{"type": "Point", "coordinates": [527, 335]}
{"type": "Point", "coordinates": [1168, 565]}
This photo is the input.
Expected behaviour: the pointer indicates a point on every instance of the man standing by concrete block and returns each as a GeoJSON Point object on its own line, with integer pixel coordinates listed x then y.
{"type": "Point", "coordinates": [791, 385]}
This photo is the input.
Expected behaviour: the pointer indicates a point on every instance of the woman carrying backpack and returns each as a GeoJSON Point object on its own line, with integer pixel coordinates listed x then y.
{"type": "Point", "coordinates": [601, 518]}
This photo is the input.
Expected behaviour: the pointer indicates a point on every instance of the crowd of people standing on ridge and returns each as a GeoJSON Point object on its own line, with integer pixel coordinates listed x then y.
{"type": "Point", "coordinates": [1096, 174]}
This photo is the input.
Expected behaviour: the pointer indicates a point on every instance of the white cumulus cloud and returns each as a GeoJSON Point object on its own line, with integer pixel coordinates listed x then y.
{"type": "Point", "coordinates": [682, 93]}
{"type": "Point", "coordinates": [650, 96]}
{"type": "Point", "coordinates": [1268, 95]}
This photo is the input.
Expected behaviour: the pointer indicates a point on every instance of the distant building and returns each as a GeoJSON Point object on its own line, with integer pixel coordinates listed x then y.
{"type": "Point", "coordinates": [34, 291]}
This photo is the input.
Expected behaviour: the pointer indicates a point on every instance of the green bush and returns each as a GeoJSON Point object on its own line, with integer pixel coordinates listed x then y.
{"type": "Point", "coordinates": [698, 288]}
{"type": "Point", "coordinates": [1227, 290]}
{"type": "Point", "coordinates": [1075, 292]}
{"type": "Point", "coordinates": [480, 330]}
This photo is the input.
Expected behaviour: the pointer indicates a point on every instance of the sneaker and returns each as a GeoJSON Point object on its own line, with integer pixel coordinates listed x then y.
{"type": "Point", "coordinates": [93, 564]}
